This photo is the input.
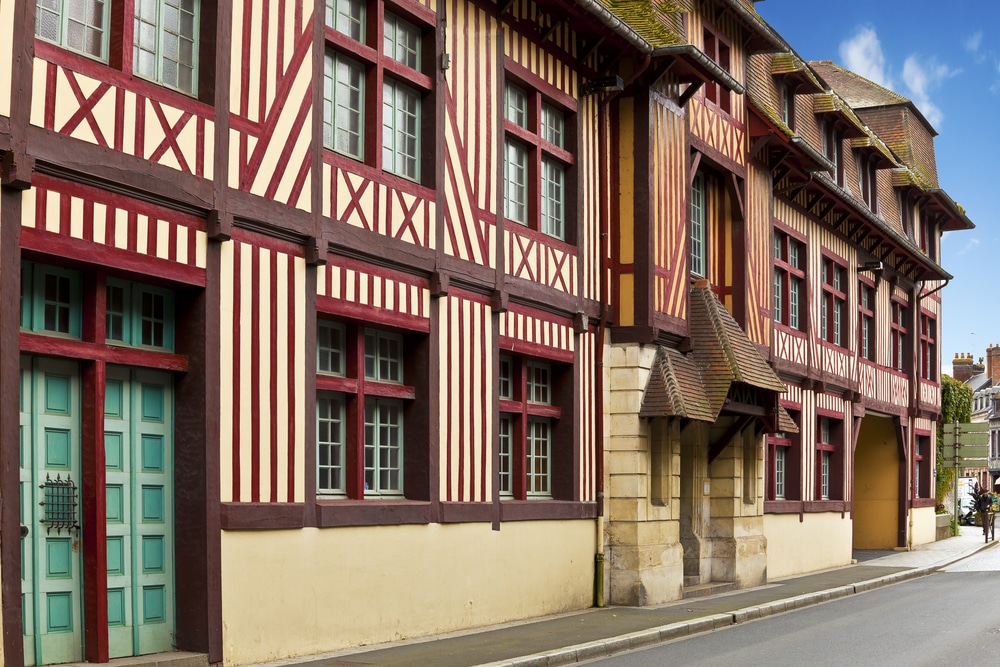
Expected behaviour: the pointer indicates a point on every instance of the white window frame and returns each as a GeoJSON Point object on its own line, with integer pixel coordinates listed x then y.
{"type": "Point", "coordinates": [698, 219]}
{"type": "Point", "coordinates": [538, 457]}
{"type": "Point", "coordinates": [400, 129]}
{"type": "Point", "coordinates": [65, 21]}
{"type": "Point", "coordinates": [331, 419]}
{"type": "Point", "coordinates": [383, 421]}
{"type": "Point", "coordinates": [157, 50]}
{"type": "Point", "coordinates": [338, 113]}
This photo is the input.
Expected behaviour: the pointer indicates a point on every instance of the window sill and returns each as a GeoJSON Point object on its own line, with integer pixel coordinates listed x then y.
{"type": "Point", "coordinates": [925, 502]}
{"type": "Point", "coordinates": [805, 506]}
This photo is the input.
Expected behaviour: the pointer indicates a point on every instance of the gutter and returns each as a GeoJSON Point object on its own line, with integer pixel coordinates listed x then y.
{"type": "Point", "coordinates": [616, 25]}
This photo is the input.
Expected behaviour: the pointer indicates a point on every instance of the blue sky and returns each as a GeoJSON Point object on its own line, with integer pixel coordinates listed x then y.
{"type": "Point", "coordinates": [946, 58]}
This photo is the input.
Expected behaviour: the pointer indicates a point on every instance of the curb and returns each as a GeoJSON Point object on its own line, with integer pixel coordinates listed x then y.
{"type": "Point", "coordinates": [605, 648]}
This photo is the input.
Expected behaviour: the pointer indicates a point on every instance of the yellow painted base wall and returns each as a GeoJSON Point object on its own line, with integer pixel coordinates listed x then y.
{"type": "Point", "coordinates": [820, 542]}
{"type": "Point", "coordinates": [292, 593]}
{"type": "Point", "coordinates": [924, 525]}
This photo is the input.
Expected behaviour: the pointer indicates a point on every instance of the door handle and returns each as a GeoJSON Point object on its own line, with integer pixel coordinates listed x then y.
{"type": "Point", "coordinates": [24, 531]}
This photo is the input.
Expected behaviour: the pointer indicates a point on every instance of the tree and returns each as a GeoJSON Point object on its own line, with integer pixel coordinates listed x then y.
{"type": "Point", "coordinates": [956, 407]}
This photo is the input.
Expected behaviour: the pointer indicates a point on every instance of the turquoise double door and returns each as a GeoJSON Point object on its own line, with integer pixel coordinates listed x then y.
{"type": "Point", "coordinates": [137, 475]}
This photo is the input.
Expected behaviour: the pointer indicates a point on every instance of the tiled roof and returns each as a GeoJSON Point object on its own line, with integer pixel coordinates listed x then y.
{"type": "Point", "coordinates": [659, 23]}
{"type": "Point", "coordinates": [696, 385]}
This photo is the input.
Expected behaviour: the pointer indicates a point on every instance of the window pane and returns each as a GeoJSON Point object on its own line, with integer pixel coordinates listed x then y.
{"type": "Point", "coordinates": [698, 250]}
{"type": "Point", "coordinates": [779, 473]}
{"type": "Point", "coordinates": [516, 107]}
{"type": "Point", "coordinates": [515, 202]}
{"type": "Point", "coordinates": [165, 44]}
{"type": "Point", "coordinates": [79, 25]}
{"type": "Point", "coordinates": [347, 17]}
{"type": "Point", "coordinates": [553, 125]}
{"type": "Point", "coordinates": [343, 105]}
{"type": "Point", "coordinates": [400, 130]}
{"type": "Point", "coordinates": [778, 296]}
{"type": "Point", "coordinates": [115, 313]}
{"type": "Point", "coordinates": [506, 378]}
{"type": "Point", "coordinates": [330, 443]}
{"type": "Point", "coordinates": [537, 461]}
{"type": "Point", "coordinates": [506, 456]}
{"type": "Point", "coordinates": [401, 41]}
{"type": "Point", "coordinates": [383, 357]}
{"type": "Point", "coordinates": [57, 303]}
{"type": "Point", "coordinates": [330, 348]}
{"type": "Point", "coordinates": [553, 197]}
{"type": "Point", "coordinates": [153, 318]}
{"type": "Point", "coordinates": [383, 446]}
{"type": "Point", "coordinates": [794, 288]}
{"type": "Point", "coordinates": [539, 383]}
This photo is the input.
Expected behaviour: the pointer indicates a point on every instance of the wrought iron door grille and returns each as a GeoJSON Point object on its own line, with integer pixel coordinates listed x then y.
{"type": "Point", "coordinates": [59, 504]}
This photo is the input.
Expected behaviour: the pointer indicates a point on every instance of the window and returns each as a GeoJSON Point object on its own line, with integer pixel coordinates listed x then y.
{"type": "Point", "coordinates": [699, 227]}
{"type": "Point", "coordinates": [352, 67]}
{"type": "Point", "coordinates": [783, 451]}
{"type": "Point", "coordinates": [922, 467]}
{"type": "Point", "coordinates": [866, 313]}
{"type": "Point", "coordinates": [833, 148]}
{"type": "Point", "coordinates": [51, 300]}
{"type": "Point", "coordinates": [717, 49]}
{"type": "Point", "coordinates": [139, 315]}
{"type": "Point", "coordinates": [833, 307]}
{"type": "Point", "coordinates": [78, 25]}
{"type": "Point", "coordinates": [534, 441]}
{"type": "Point", "coordinates": [829, 454]}
{"type": "Point", "coordinates": [361, 408]}
{"type": "Point", "coordinates": [928, 347]}
{"type": "Point", "coordinates": [537, 162]}
{"type": "Point", "coordinates": [789, 278]}
{"type": "Point", "coordinates": [164, 35]}
{"type": "Point", "coordinates": [867, 186]}
{"type": "Point", "coordinates": [786, 104]}
{"type": "Point", "coordinates": [898, 333]}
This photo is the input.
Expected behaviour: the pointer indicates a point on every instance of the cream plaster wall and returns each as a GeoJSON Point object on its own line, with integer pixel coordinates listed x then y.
{"type": "Point", "coordinates": [291, 593]}
{"type": "Point", "coordinates": [924, 525]}
{"type": "Point", "coordinates": [6, 56]}
{"type": "Point", "coordinates": [821, 541]}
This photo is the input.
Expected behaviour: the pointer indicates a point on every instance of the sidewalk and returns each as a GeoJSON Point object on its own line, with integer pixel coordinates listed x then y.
{"type": "Point", "coordinates": [595, 633]}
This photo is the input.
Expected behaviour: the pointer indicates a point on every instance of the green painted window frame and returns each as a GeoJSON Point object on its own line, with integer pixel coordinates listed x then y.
{"type": "Point", "coordinates": [132, 315]}
{"type": "Point", "coordinates": [338, 114]}
{"type": "Point", "coordinates": [331, 444]}
{"type": "Point", "coordinates": [699, 224]}
{"type": "Point", "coordinates": [65, 21]}
{"type": "Point", "coordinates": [33, 299]}
{"type": "Point", "coordinates": [161, 34]}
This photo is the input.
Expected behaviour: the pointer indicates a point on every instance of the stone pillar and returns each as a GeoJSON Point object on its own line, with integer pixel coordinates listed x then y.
{"type": "Point", "coordinates": [642, 548]}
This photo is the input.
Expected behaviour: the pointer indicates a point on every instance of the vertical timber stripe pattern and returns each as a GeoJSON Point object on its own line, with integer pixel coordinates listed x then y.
{"type": "Point", "coordinates": [537, 331]}
{"type": "Point", "coordinates": [262, 372]}
{"type": "Point", "coordinates": [759, 256]}
{"type": "Point", "coordinates": [669, 212]}
{"type": "Point", "coordinates": [403, 211]}
{"type": "Point", "coordinates": [271, 100]}
{"type": "Point", "coordinates": [126, 120]}
{"type": "Point", "coordinates": [90, 214]}
{"type": "Point", "coordinates": [471, 164]}
{"type": "Point", "coordinates": [585, 360]}
{"type": "Point", "coordinates": [358, 288]}
{"type": "Point", "coordinates": [467, 414]}
{"type": "Point", "coordinates": [557, 72]}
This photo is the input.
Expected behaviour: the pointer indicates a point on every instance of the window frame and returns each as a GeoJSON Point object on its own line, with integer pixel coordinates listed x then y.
{"type": "Point", "coordinates": [833, 148]}
{"type": "Point", "coordinates": [834, 316]}
{"type": "Point", "coordinates": [867, 332]}
{"type": "Point", "coordinates": [867, 178]}
{"type": "Point", "coordinates": [384, 76]}
{"type": "Point", "coordinates": [64, 19]}
{"type": "Point", "coordinates": [33, 302]}
{"type": "Point", "coordinates": [119, 48]}
{"type": "Point", "coordinates": [524, 405]}
{"type": "Point", "coordinates": [698, 222]}
{"type": "Point", "coordinates": [718, 48]}
{"type": "Point", "coordinates": [789, 274]}
{"type": "Point", "coordinates": [133, 317]}
{"type": "Point", "coordinates": [928, 346]}
{"type": "Point", "coordinates": [365, 392]}
{"type": "Point", "coordinates": [829, 447]}
{"type": "Point", "coordinates": [898, 333]}
{"type": "Point", "coordinates": [922, 459]}
{"type": "Point", "coordinates": [541, 151]}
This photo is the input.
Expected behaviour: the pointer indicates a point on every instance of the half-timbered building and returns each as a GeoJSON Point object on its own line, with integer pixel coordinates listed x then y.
{"type": "Point", "coordinates": [348, 321]}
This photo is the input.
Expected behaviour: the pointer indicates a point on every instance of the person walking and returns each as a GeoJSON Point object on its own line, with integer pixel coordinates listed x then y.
{"type": "Point", "coordinates": [986, 507]}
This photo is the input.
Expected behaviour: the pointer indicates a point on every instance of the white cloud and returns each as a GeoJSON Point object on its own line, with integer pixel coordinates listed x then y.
{"type": "Point", "coordinates": [922, 78]}
{"type": "Point", "coordinates": [973, 42]}
{"type": "Point", "coordinates": [862, 54]}
{"type": "Point", "coordinates": [969, 246]}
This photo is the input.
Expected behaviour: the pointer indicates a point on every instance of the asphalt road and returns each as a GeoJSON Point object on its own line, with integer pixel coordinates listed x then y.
{"type": "Point", "coordinates": [948, 618]}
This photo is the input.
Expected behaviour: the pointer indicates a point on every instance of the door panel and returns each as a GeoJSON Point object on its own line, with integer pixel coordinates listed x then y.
{"type": "Point", "coordinates": [138, 441]}
{"type": "Point", "coordinates": [50, 474]}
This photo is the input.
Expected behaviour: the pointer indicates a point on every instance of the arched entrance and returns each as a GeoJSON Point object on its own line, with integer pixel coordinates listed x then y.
{"type": "Point", "coordinates": [877, 458]}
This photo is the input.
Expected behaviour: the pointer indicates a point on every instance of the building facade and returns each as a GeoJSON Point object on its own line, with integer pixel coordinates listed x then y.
{"type": "Point", "coordinates": [349, 321]}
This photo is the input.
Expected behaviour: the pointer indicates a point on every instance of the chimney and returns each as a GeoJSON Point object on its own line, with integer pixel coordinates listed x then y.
{"type": "Point", "coordinates": [993, 364]}
{"type": "Point", "coordinates": [961, 367]}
